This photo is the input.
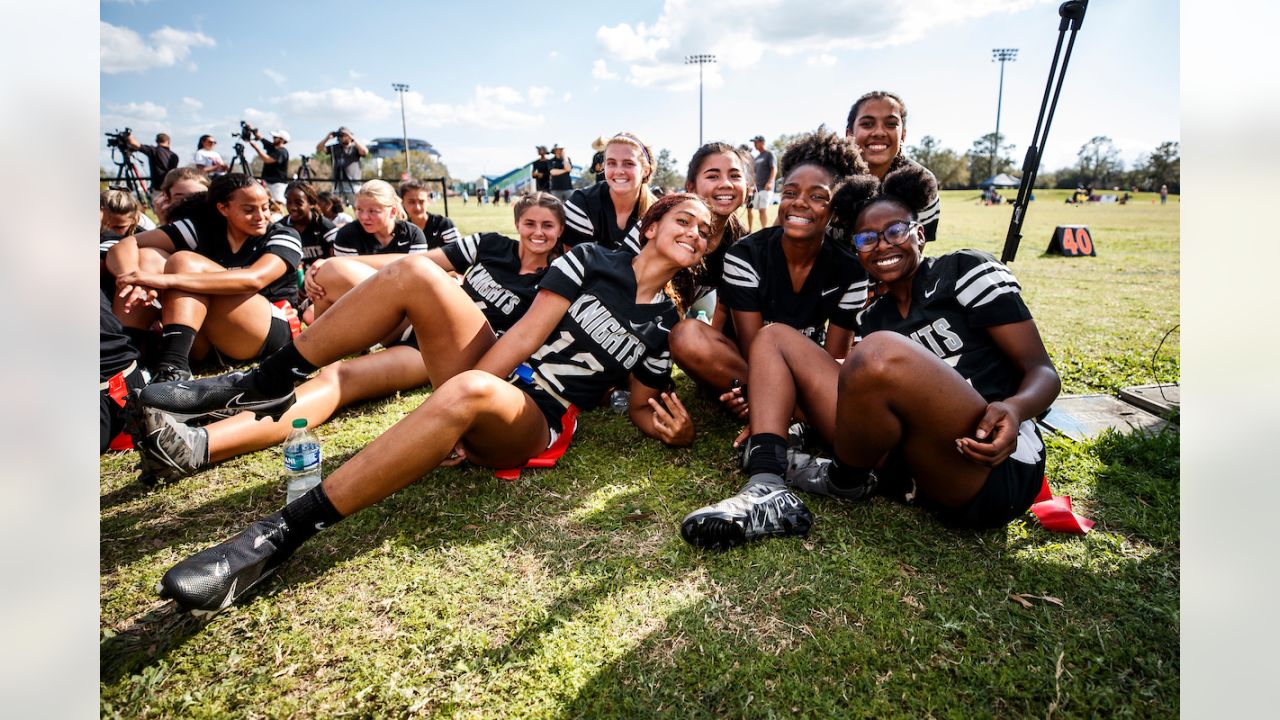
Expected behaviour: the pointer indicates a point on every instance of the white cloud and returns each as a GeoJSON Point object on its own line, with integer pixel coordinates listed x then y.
{"type": "Point", "coordinates": [491, 107]}
{"type": "Point", "coordinates": [538, 95]}
{"type": "Point", "coordinates": [140, 112]}
{"type": "Point", "coordinates": [567, 97]}
{"type": "Point", "coordinates": [275, 76]}
{"type": "Point", "coordinates": [758, 28]}
{"type": "Point", "coordinates": [600, 71]}
{"type": "Point", "coordinates": [192, 105]}
{"type": "Point", "coordinates": [123, 50]}
{"type": "Point", "coordinates": [354, 75]}
{"type": "Point", "coordinates": [553, 54]}
{"type": "Point", "coordinates": [265, 120]}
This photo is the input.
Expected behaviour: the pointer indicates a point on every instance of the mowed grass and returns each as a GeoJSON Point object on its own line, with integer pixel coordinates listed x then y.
{"type": "Point", "coordinates": [569, 593]}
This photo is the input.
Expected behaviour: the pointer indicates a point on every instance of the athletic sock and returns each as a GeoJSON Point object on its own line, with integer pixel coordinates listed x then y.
{"type": "Point", "coordinates": [766, 453]}
{"type": "Point", "coordinates": [305, 517]}
{"type": "Point", "coordinates": [847, 477]}
{"type": "Point", "coordinates": [175, 346]}
{"type": "Point", "coordinates": [281, 370]}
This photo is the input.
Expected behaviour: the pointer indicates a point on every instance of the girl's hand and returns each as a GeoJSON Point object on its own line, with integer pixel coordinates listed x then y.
{"type": "Point", "coordinates": [995, 438]}
{"type": "Point", "coordinates": [735, 402]}
{"type": "Point", "coordinates": [672, 423]}
{"type": "Point", "coordinates": [314, 291]}
{"type": "Point", "coordinates": [457, 456]}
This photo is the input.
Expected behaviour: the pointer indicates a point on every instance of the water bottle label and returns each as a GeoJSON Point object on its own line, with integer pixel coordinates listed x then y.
{"type": "Point", "coordinates": [302, 458]}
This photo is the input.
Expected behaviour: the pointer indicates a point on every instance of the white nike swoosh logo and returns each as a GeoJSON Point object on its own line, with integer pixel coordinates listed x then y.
{"type": "Point", "coordinates": [231, 594]}
{"type": "Point", "coordinates": [258, 541]}
{"type": "Point", "coordinates": [828, 292]}
{"type": "Point", "coordinates": [927, 293]}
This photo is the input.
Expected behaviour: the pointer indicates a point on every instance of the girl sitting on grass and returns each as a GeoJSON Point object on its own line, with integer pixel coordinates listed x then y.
{"type": "Point", "coordinates": [600, 318]}
{"type": "Point", "coordinates": [940, 395]}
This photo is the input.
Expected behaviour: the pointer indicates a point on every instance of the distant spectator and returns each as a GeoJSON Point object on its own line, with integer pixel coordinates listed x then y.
{"type": "Point", "coordinates": [506, 196]}
{"type": "Point", "coordinates": [1164, 194]}
{"type": "Point", "coordinates": [542, 171]}
{"type": "Point", "coordinates": [160, 160]}
{"type": "Point", "coordinates": [766, 172]}
{"type": "Point", "coordinates": [561, 174]}
{"type": "Point", "coordinates": [346, 154]}
{"type": "Point", "coordinates": [275, 163]}
{"type": "Point", "coordinates": [597, 160]}
{"type": "Point", "coordinates": [208, 159]}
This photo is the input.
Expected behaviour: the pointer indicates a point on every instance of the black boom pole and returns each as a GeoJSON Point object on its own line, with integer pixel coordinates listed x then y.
{"type": "Point", "coordinates": [1072, 14]}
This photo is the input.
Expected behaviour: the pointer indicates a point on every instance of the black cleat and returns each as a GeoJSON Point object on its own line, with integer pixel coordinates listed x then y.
{"type": "Point", "coordinates": [811, 474]}
{"type": "Point", "coordinates": [233, 391]}
{"type": "Point", "coordinates": [762, 508]}
{"type": "Point", "coordinates": [215, 578]}
{"type": "Point", "coordinates": [171, 450]}
{"type": "Point", "coordinates": [170, 373]}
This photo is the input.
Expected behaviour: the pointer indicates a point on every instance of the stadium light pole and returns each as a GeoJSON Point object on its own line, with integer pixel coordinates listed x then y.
{"type": "Point", "coordinates": [401, 89]}
{"type": "Point", "coordinates": [699, 60]}
{"type": "Point", "coordinates": [1000, 55]}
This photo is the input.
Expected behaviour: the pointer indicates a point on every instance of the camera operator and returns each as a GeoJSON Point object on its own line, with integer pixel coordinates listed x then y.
{"type": "Point", "coordinates": [275, 162]}
{"type": "Point", "coordinates": [346, 154]}
{"type": "Point", "coordinates": [160, 160]}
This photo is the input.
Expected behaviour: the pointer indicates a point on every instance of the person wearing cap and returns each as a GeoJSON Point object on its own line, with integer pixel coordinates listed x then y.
{"type": "Point", "coordinates": [597, 160]}
{"type": "Point", "coordinates": [542, 171]}
{"type": "Point", "coordinates": [766, 174]}
{"type": "Point", "coordinates": [346, 154]}
{"type": "Point", "coordinates": [275, 163]}
{"type": "Point", "coordinates": [561, 179]}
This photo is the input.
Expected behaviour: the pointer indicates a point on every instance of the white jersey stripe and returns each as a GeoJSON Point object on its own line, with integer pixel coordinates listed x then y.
{"type": "Point", "coordinates": [992, 296]}
{"type": "Point", "coordinates": [188, 232]}
{"type": "Point", "coordinates": [995, 276]}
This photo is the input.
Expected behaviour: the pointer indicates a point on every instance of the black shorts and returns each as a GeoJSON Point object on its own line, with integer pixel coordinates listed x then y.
{"type": "Point", "coordinates": [407, 339]}
{"type": "Point", "coordinates": [551, 408]}
{"type": "Point", "coordinates": [1010, 488]}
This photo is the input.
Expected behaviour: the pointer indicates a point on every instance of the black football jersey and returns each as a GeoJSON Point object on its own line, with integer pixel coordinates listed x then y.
{"type": "Point", "coordinates": [490, 264]}
{"type": "Point", "coordinates": [590, 217]}
{"type": "Point", "coordinates": [353, 240]}
{"type": "Point", "coordinates": [440, 231]}
{"type": "Point", "coordinates": [605, 335]}
{"type": "Point", "coordinates": [317, 239]}
{"type": "Point", "coordinates": [756, 279]}
{"type": "Point", "coordinates": [209, 238]}
{"type": "Point", "coordinates": [954, 299]}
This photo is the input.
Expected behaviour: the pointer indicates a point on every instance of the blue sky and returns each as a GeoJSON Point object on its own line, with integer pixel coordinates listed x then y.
{"type": "Point", "coordinates": [489, 81]}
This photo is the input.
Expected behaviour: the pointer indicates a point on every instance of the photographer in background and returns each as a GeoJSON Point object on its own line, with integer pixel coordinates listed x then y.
{"type": "Point", "coordinates": [346, 154]}
{"type": "Point", "coordinates": [275, 162]}
{"type": "Point", "coordinates": [160, 160]}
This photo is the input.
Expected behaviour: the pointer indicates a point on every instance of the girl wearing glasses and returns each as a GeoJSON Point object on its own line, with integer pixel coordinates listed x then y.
{"type": "Point", "coordinates": [788, 274]}
{"type": "Point", "coordinates": [938, 399]}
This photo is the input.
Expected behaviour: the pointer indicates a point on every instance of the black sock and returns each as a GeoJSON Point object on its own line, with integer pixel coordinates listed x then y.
{"type": "Point", "coordinates": [305, 517]}
{"type": "Point", "coordinates": [281, 371]}
{"type": "Point", "coordinates": [847, 477]}
{"type": "Point", "coordinates": [175, 346]}
{"type": "Point", "coordinates": [766, 453]}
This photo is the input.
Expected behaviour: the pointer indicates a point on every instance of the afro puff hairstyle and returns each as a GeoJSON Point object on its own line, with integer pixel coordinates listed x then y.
{"type": "Point", "coordinates": [836, 154]}
{"type": "Point", "coordinates": [912, 187]}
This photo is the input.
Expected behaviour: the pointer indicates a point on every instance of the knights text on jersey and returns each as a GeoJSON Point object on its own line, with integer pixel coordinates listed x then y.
{"type": "Point", "coordinates": [954, 299]}
{"type": "Point", "coordinates": [590, 217]}
{"type": "Point", "coordinates": [756, 279]}
{"type": "Point", "coordinates": [352, 239]}
{"type": "Point", "coordinates": [439, 231]}
{"type": "Point", "coordinates": [491, 266]}
{"type": "Point", "coordinates": [605, 335]}
{"type": "Point", "coordinates": [210, 240]}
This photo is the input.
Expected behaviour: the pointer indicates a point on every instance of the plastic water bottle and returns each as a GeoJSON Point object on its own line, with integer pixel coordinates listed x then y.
{"type": "Point", "coordinates": [702, 316]}
{"type": "Point", "coordinates": [301, 461]}
{"type": "Point", "coordinates": [620, 401]}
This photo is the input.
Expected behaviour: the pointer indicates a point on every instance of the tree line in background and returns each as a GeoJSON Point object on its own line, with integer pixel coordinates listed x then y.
{"type": "Point", "coordinates": [1098, 165]}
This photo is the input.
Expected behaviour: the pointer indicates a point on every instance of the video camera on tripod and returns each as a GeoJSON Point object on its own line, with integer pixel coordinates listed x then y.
{"type": "Point", "coordinates": [119, 140]}
{"type": "Point", "coordinates": [247, 132]}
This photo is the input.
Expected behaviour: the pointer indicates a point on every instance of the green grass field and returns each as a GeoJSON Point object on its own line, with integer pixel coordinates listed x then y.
{"type": "Point", "coordinates": [569, 593]}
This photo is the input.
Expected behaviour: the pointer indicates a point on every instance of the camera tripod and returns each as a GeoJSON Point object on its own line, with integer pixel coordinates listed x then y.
{"type": "Point", "coordinates": [304, 169]}
{"type": "Point", "coordinates": [128, 178]}
{"type": "Point", "coordinates": [239, 158]}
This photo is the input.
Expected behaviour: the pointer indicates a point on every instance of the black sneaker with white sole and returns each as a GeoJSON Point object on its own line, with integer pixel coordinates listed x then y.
{"type": "Point", "coordinates": [811, 474]}
{"type": "Point", "coordinates": [763, 507]}
{"type": "Point", "coordinates": [170, 373]}
{"type": "Point", "coordinates": [171, 449]}
{"type": "Point", "coordinates": [233, 391]}
{"type": "Point", "coordinates": [215, 578]}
